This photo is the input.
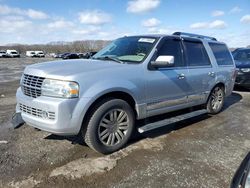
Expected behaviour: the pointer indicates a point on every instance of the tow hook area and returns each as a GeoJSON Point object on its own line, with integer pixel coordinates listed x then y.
{"type": "Point", "coordinates": [17, 120]}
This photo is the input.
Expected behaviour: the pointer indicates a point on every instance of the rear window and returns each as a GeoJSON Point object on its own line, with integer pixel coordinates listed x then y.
{"type": "Point", "coordinates": [196, 54]}
{"type": "Point", "coordinates": [221, 53]}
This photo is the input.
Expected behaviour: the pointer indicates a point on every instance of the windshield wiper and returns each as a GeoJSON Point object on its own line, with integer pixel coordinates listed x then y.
{"type": "Point", "coordinates": [110, 58]}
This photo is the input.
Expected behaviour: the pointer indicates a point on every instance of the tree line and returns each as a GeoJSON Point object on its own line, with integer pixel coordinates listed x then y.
{"type": "Point", "coordinates": [60, 47]}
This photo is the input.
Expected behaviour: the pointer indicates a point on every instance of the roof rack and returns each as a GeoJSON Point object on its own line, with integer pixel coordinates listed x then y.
{"type": "Point", "coordinates": [194, 36]}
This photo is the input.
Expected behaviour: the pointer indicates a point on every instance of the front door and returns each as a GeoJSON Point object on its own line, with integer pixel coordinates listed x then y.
{"type": "Point", "coordinates": [166, 88]}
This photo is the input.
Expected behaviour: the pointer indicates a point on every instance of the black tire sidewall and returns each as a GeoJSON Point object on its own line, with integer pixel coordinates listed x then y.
{"type": "Point", "coordinates": [94, 121]}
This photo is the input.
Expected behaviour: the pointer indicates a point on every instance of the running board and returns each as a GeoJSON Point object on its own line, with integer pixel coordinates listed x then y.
{"type": "Point", "coordinates": [169, 121]}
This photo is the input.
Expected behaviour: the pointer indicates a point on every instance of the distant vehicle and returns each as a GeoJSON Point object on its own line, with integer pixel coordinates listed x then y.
{"type": "Point", "coordinates": [242, 61]}
{"type": "Point", "coordinates": [12, 53]}
{"type": "Point", "coordinates": [52, 54]}
{"type": "Point", "coordinates": [81, 55]}
{"type": "Point", "coordinates": [71, 56]}
{"type": "Point", "coordinates": [57, 55]}
{"type": "Point", "coordinates": [39, 54]}
{"type": "Point", "coordinates": [61, 55]}
{"type": "Point", "coordinates": [30, 54]}
{"type": "Point", "coordinates": [3, 54]}
{"type": "Point", "coordinates": [88, 55]}
{"type": "Point", "coordinates": [133, 78]}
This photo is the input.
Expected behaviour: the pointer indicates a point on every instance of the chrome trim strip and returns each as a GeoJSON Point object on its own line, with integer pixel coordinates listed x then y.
{"type": "Point", "coordinates": [166, 103]}
{"type": "Point", "coordinates": [200, 67]}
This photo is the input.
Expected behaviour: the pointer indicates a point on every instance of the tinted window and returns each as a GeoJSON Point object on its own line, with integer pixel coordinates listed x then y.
{"type": "Point", "coordinates": [221, 53]}
{"type": "Point", "coordinates": [242, 55]}
{"type": "Point", "coordinates": [196, 54]}
{"type": "Point", "coordinates": [172, 47]}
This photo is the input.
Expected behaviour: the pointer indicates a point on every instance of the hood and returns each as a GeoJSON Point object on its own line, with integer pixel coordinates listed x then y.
{"type": "Point", "coordinates": [242, 64]}
{"type": "Point", "coordinates": [70, 67]}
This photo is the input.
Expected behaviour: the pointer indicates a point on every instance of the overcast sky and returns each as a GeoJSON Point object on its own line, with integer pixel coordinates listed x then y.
{"type": "Point", "coordinates": [33, 21]}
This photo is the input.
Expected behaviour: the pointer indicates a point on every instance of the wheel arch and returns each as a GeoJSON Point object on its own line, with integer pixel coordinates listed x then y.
{"type": "Point", "coordinates": [110, 95]}
{"type": "Point", "coordinates": [221, 84]}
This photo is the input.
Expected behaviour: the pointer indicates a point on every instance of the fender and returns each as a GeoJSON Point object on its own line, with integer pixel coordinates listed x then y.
{"type": "Point", "coordinates": [226, 82]}
{"type": "Point", "coordinates": [101, 88]}
{"type": "Point", "coordinates": [106, 86]}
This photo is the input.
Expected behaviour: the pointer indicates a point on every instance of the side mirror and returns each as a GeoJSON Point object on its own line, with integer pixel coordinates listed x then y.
{"type": "Point", "coordinates": [242, 176]}
{"type": "Point", "coordinates": [163, 61]}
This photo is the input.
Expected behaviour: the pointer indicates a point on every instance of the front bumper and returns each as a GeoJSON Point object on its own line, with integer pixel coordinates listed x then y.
{"type": "Point", "coordinates": [54, 115]}
{"type": "Point", "coordinates": [243, 79]}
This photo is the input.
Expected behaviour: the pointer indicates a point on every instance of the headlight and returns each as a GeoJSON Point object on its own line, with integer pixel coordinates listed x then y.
{"type": "Point", "coordinates": [58, 88]}
{"type": "Point", "coordinates": [245, 69]}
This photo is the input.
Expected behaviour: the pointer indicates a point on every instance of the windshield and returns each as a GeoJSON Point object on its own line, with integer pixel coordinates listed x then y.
{"type": "Point", "coordinates": [242, 55]}
{"type": "Point", "coordinates": [128, 49]}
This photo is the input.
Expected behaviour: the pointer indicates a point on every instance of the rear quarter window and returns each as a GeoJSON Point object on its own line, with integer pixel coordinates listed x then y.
{"type": "Point", "coordinates": [221, 54]}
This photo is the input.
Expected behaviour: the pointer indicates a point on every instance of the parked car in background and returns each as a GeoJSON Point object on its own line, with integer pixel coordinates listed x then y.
{"type": "Point", "coordinates": [63, 54]}
{"type": "Point", "coordinates": [71, 56]}
{"type": "Point", "coordinates": [3, 54]}
{"type": "Point", "coordinates": [88, 55]}
{"type": "Point", "coordinates": [39, 54]}
{"type": "Point", "coordinates": [12, 53]}
{"type": "Point", "coordinates": [242, 61]}
{"type": "Point", "coordinates": [30, 54]}
{"type": "Point", "coordinates": [52, 55]}
{"type": "Point", "coordinates": [80, 55]}
{"type": "Point", "coordinates": [58, 55]}
{"type": "Point", "coordinates": [132, 78]}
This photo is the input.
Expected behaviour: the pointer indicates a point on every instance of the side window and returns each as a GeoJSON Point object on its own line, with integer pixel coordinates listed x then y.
{"type": "Point", "coordinates": [172, 47]}
{"type": "Point", "coordinates": [221, 53]}
{"type": "Point", "coordinates": [196, 53]}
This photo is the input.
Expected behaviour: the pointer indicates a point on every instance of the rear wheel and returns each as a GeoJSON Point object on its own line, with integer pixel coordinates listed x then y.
{"type": "Point", "coordinates": [216, 100]}
{"type": "Point", "coordinates": [110, 126]}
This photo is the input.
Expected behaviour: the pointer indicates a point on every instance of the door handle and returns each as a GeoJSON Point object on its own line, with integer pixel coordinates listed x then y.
{"type": "Point", "coordinates": [181, 76]}
{"type": "Point", "coordinates": [212, 74]}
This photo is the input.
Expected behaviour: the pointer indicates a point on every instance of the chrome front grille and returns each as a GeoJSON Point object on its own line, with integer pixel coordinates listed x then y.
{"type": "Point", "coordinates": [36, 112]}
{"type": "Point", "coordinates": [31, 85]}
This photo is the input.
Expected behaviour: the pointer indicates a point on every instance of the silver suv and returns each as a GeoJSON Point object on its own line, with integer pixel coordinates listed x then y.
{"type": "Point", "coordinates": [132, 78]}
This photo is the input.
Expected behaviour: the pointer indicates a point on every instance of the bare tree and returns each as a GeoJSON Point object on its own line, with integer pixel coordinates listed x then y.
{"type": "Point", "coordinates": [60, 47]}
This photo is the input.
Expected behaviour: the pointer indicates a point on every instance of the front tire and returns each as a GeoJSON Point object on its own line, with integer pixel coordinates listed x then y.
{"type": "Point", "coordinates": [216, 100]}
{"type": "Point", "coordinates": [110, 126]}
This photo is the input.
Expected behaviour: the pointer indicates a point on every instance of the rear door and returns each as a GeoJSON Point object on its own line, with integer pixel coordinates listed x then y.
{"type": "Point", "coordinates": [201, 72]}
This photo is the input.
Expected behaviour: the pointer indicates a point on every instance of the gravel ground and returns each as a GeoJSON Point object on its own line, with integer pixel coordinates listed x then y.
{"type": "Point", "coordinates": [203, 151]}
